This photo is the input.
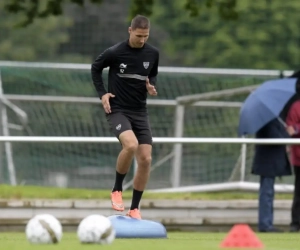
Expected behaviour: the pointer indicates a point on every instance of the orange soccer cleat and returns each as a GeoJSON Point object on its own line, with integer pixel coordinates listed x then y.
{"type": "Point", "coordinates": [135, 213]}
{"type": "Point", "coordinates": [117, 201]}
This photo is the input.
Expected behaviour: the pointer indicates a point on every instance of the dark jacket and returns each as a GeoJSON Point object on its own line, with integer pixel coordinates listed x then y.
{"type": "Point", "coordinates": [271, 160]}
{"type": "Point", "coordinates": [296, 74]}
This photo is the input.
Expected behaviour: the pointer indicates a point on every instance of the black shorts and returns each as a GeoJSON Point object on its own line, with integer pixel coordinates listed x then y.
{"type": "Point", "coordinates": [121, 121]}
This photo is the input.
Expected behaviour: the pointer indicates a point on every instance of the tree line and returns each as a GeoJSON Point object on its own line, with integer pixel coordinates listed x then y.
{"type": "Point", "coordinates": [226, 34]}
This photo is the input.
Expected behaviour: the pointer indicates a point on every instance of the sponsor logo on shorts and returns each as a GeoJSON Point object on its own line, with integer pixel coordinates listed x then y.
{"type": "Point", "coordinates": [118, 127]}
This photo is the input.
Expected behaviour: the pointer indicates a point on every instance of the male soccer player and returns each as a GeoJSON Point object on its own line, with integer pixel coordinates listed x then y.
{"type": "Point", "coordinates": [133, 67]}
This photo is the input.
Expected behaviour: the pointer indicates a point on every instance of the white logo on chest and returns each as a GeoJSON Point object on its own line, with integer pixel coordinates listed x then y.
{"type": "Point", "coordinates": [122, 67]}
{"type": "Point", "coordinates": [146, 65]}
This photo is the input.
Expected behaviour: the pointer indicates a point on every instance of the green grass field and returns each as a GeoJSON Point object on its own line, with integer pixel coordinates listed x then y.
{"type": "Point", "coordinates": [202, 241]}
{"type": "Point", "coordinates": [32, 192]}
{"type": "Point", "coordinates": [175, 241]}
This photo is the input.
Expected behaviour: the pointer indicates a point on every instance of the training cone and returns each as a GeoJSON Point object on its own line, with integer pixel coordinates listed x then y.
{"type": "Point", "coordinates": [241, 236]}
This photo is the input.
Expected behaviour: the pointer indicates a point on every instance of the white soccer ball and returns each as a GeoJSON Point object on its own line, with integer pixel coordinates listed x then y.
{"type": "Point", "coordinates": [44, 229]}
{"type": "Point", "coordinates": [96, 229]}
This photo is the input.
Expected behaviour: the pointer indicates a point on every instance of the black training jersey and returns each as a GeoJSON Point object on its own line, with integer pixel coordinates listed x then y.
{"type": "Point", "coordinates": [128, 70]}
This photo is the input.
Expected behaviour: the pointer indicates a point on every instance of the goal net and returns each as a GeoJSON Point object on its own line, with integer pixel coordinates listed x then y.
{"type": "Point", "coordinates": [60, 100]}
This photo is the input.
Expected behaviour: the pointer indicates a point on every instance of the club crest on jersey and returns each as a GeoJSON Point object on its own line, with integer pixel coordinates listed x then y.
{"type": "Point", "coordinates": [146, 65]}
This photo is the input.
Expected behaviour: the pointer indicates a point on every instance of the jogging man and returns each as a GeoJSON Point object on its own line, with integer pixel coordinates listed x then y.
{"type": "Point", "coordinates": [133, 67]}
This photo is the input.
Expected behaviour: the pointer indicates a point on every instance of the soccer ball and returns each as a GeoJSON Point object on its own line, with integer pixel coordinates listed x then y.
{"type": "Point", "coordinates": [43, 229]}
{"type": "Point", "coordinates": [96, 229]}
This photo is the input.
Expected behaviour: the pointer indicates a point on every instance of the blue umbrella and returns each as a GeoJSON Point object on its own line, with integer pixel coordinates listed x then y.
{"type": "Point", "coordinates": [264, 104]}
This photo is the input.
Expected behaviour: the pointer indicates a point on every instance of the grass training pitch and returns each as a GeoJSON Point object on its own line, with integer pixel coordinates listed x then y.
{"type": "Point", "coordinates": [33, 192]}
{"type": "Point", "coordinates": [175, 241]}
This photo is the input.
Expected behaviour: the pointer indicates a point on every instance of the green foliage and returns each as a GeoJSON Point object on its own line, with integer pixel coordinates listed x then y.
{"type": "Point", "coordinates": [34, 9]}
{"type": "Point", "coordinates": [265, 35]}
{"type": "Point", "coordinates": [39, 41]}
{"type": "Point", "coordinates": [226, 8]}
{"type": "Point", "coordinates": [142, 7]}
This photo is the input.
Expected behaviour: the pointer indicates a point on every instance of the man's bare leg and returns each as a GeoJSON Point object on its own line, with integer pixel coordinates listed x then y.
{"type": "Point", "coordinates": [124, 161]}
{"type": "Point", "coordinates": [143, 157]}
{"type": "Point", "coordinates": [129, 147]}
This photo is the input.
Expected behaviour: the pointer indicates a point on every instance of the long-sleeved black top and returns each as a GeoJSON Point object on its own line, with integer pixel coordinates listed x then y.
{"type": "Point", "coordinates": [128, 70]}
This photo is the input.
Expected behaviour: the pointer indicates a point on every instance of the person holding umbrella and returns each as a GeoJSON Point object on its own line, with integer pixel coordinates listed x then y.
{"type": "Point", "coordinates": [260, 115]}
{"type": "Point", "coordinates": [270, 161]}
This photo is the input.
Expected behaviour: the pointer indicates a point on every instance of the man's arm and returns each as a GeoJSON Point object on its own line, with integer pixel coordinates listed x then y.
{"type": "Point", "coordinates": [104, 60]}
{"type": "Point", "coordinates": [154, 71]}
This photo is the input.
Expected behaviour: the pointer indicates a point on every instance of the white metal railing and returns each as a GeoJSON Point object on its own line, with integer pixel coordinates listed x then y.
{"type": "Point", "coordinates": [188, 70]}
{"type": "Point", "coordinates": [96, 100]}
{"type": "Point", "coordinates": [168, 140]}
{"type": "Point", "coordinates": [180, 104]}
{"type": "Point", "coordinates": [240, 185]}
